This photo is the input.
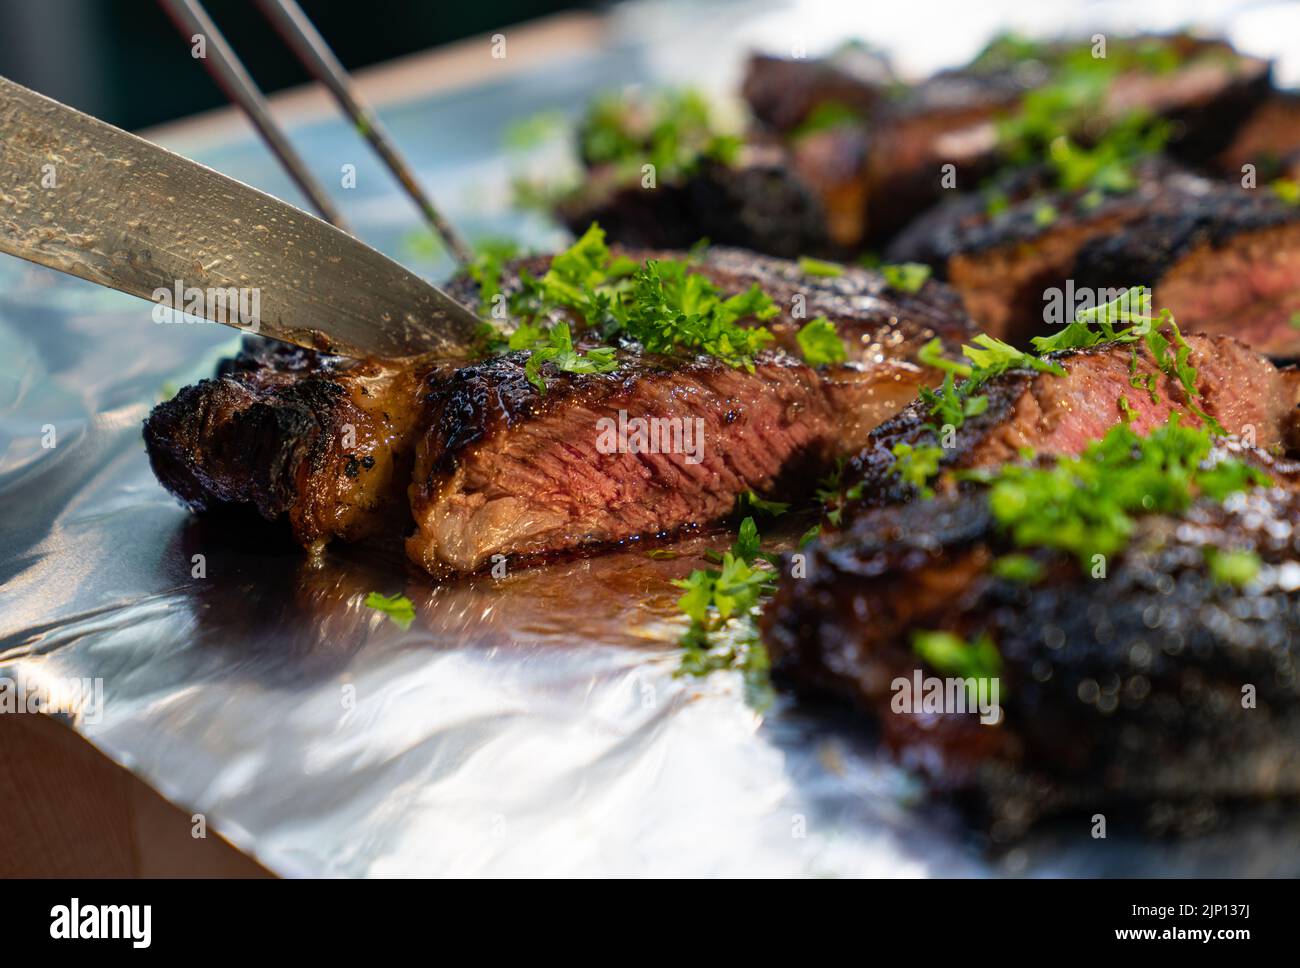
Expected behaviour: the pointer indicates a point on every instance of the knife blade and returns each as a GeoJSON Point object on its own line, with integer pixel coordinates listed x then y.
{"type": "Point", "coordinates": [89, 199]}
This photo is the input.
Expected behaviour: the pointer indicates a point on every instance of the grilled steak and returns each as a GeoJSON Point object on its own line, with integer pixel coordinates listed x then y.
{"type": "Point", "coordinates": [759, 203]}
{"type": "Point", "coordinates": [326, 443]}
{"type": "Point", "coordinates": [1269, 139]}
{"type": "Point", "coordinates": [1226, 262]}
{"type": "Point", "coordinates": [1060, 414]}
{"type": "Point", "coordinates": [1204, 89]}
{"type": "Point", "coordinates": [329, 444]}
{"type": "Point", "coordinates": [507, 470]}
{"type": "Point", "coordinates": [1223, 258]}
{"type": "Point", "coordinates": [1114, 690]}
{"type": "Point", "coordinates": [785, 93]}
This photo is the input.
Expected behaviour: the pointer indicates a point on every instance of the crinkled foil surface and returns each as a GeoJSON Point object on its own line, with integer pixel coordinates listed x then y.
{"type": "Point", "coordinates": [525, 726]}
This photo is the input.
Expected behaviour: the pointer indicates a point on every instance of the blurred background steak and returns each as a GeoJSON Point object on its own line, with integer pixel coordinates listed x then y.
{"type": "Point", "coordinates": [1223, 258]}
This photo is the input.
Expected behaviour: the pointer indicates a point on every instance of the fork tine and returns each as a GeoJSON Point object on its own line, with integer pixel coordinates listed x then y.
{"type": "Point", "coordinates": [315, 54]}
{"type": "Point", "coordinates": [231, 76]}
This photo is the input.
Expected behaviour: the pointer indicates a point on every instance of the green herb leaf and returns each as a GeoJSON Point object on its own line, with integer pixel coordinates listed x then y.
{"type": "Point", "coordinates": [917, 465]}
{"type": "Point", "coordinates": [749, 501]}
{"type": "Point", "coordinates": [905, 276]}
{"type": "Point", "coordinates": [952, 655]}
{"type": "Point", "coordinates": [820, 343]}
{"type": "Point", "coordinates": [397, 607]}
{"type": "Point", "coordinates": [1237, 568]}
{"type": "Point", "coordinates": [816, 267]}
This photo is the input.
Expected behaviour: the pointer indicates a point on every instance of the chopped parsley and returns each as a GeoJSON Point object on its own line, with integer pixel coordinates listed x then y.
{"type": "Point", "coordinates": [397, 607]}
{"type": "Point", "coordinates": [825, 116]}
{"type": "Point", "coordinates": [720, 603]}
{"type": "Point", "coordinates": [916, 465]}
{"type": "Point", "coordinates": [949, 653]}
{"type": "Point", "coordinates": [663, 305]}
{"type": "Point", "coordinates": [1018, 568]}
{"type": "Point", "coordinates": [1048, 121]}
{"type": "Point", "coordinates": [816, 267]}
{"type": "Point", "coordinates": [1087, 505]}
{"type": "Point", "coordinates": [820, 343]}
{"type": "Point", "coordinates": [1170, 353]}
{"type": "Point", "coordinates": [749, 501]}
{"type": "Point", "coordinates": [674, 130]}
{"type": "Point", "coordinates": [670, 308]}
{"type": "Point", "coordinates": [1236, 568]}
{"type": "Point", "coordinates": [906, 276]}
{"type": "Point", "coordinates": [1288, 190]}
{"type": "Point", "coordinates": [556, 348]}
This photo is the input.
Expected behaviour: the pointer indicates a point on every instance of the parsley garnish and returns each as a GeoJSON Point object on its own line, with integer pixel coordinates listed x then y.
{"type": "Point", "coordinates": [749, 501]}
{"type": "Point", "coordinates": [905, 276]}
{"type": "Point", "coordinates": [820, 343]}
{"type": "Point", "coordinates": [951, 654]}
{"type": "Point", "coordinates": [916, 465]}
{"type": "Point", "coordinates": [1086, 505]}
{"type": "Point", "coordinates": [663, 304]}
{"type": "Point", "coordinates": [720, 603]}
{"type": "Point", "coordinates": [1236, 568]}
{"type": "Point", "coordinates": [557, 349]}
{"type": "Point", "coordinates": [674, 130]}
{"type": "Point", "coordinates": [1133, 306]}
{"type": "Point", "coordinates": [816, 267]}
{"type": "Point", "coordinates": [397, 607]}
{"type": "Point", "coordinates": [669, 308]}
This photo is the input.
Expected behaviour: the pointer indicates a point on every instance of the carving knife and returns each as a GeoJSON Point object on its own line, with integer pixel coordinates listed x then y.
{"type": "Point", "coordinates": [89, 199]}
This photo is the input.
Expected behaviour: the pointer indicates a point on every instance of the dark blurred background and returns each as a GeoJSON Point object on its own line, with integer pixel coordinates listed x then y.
{"type": "Point", "coordinates": [124, 62]}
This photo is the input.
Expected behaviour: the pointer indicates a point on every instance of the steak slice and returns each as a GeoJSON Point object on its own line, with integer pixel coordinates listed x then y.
{"type": "Point", "coordinates": [785, 93]}
{"type": "Point", "coordinates": [1269, 139]}
{"type": "Point", "coordinates": [1114, 690]}
{"type": "Point", "coordinates": [507, 470]}
{"type": "Point", "coordinates": [329, 445]}
{"type": "Point", "coordinates": [1227, 262]}
{"type": "Point", "coordinates": [1204, 89]}
{"type": "Point", "coordinates": [324, 442]}
{"type": "Point", "coordinates": [1221, 257]}
{"type": "Point", "coordinates": [1052, 414]}
{"type": "Point", "coordinates": [759, 203]}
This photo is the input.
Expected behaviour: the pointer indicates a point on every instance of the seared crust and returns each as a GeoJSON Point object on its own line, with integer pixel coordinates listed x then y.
{"type": "Point", "coordinates": [323, 442]}
{"type": "Point", "coordinates": [1116, 689]}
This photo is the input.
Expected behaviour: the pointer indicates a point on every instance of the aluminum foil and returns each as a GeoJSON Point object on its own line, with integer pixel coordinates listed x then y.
{"type": "Point", "coordinates": [530, 725]}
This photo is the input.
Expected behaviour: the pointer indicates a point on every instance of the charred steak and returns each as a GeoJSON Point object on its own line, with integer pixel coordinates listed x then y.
{"type": "Point", "coordinates": [330, 445]}
{"type": "Point", "coordinates": [1052, 414]}
{"type": "Point", "coordinates": [1112, 690]}
{"type": "Point", "coordinates": [1223, 258]}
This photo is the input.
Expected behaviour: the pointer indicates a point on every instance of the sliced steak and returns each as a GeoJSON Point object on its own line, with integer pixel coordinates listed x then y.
{"type": "Point", "coordinates": [329, 444]}
{"type": "Point", "coordinates": [326, 443]}
{"type": "Point", "coordinates": [1228, 261]}
{"type": "Point", "coordinates": [1052, 414]}
{"type": "Point", "coordinates": [1269, 139]}
{"type": "Point", "coordinates": [759, 203]}
{"type": "Point", "coordinates": [507, 470]}
{"type": "Point", "coordinates": [785, 93]}
{"type": "Point", "coordinates": [1006, 262]}
{"type": "Point", "coordinates": [1223, 258]}
{"type": "Point", "coordinates": [1112, 690]}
